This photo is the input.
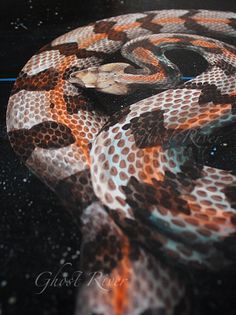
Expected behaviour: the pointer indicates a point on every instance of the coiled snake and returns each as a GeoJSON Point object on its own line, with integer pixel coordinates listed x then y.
{"type": "Point", "coordinates": [135, 178]}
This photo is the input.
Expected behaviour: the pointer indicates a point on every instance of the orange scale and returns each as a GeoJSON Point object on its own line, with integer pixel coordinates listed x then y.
{"type": "Point", "coordinates": [55, 117]}
{"type": "Point", "coordinates": [192, 221]}
{"type": "Point", "coordinates": [173, 126]}
{"type": "Point", "coordinates": [82, 134]}
{"type": "Point", "coordinates": [219, 220]}
{"type": "Point", "coordinates": [80, 122]}
{"type": "Point", "coordinates": [212, 227]}
{"type": "Point", "coordinates": [149, 170]}
{"type": "Point", "coordinates": [155, 163]}
{"type": "Point", "coordinates": [146, 158]}
{"type": "Point", "coordinates": [142, 175]}
{"type": "Point", "coordinates": [206, 203]}
{"type": "Point", "coordinates": [227, 214]}
{"type": "Point", "coordinates": [86, 129]}
{"type": "Point", "coordinates": [202, 216]}
{"type": "Point", "coordinates": [195, 207]}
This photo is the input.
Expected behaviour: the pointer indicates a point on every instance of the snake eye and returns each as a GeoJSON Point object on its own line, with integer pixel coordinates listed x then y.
{"type": "Point", "coordinates": [189, 62]}
{"type": "Point", "coordinates": [219, 149]}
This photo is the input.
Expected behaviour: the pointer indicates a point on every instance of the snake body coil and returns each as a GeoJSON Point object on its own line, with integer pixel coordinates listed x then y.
{"type": "Point", "coordinates": [135, 177]}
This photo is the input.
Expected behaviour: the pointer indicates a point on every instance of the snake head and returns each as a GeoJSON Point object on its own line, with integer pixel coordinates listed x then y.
{"type": "Point", "coordinates": [106, 78]}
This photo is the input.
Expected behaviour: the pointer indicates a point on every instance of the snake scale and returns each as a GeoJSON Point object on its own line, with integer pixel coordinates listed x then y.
{"type": "Point", "coordinates": [135, 178]}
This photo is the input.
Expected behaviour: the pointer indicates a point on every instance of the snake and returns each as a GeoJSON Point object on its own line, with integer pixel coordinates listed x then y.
{"type": "Point", "coordinates": [138, 178]}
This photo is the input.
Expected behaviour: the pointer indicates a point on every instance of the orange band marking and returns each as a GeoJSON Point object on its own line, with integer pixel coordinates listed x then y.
{"type": "Point", "coordinates": [125, 27]}
{"type": "Point", "coordinates": [157, 41]}
{"type": "Point", "coordinates": [120, 293]}
{"type": "Point", "coordinates": [92, 40]}
{"type": "Point", "coordinates": [147, 56]}
{"type": "Point", "coordinates": [206, 44]}
{"type": "Point", "coordinates": [174, 20]}
{"type": "Point", "coordinates": [56, 97]}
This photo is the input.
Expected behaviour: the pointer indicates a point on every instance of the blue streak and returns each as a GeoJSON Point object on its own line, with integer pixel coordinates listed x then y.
{"type": "Point", "coordinates": [187, 78]}
{"type": "Point", "coordinates": [14, 79]}
{"type": "Point", "coordinates": [7, 79]}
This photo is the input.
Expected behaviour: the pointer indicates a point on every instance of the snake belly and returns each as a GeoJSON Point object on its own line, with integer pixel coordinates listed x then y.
{"type": "Point", "coordinates": [135, 178]}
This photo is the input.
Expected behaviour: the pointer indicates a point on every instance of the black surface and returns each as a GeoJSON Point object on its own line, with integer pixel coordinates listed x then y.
{"type": "Point", "coordinates": [36, 233]}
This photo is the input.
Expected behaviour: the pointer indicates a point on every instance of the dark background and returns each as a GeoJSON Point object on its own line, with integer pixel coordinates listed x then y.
{"type": "Point", "coordinates": [36, 233]}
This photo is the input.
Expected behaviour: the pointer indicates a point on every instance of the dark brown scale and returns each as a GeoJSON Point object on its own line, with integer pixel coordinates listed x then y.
{"type": "Point", "coordinates": [75, 103]}
{"type": "Point", "coordinates": [232, 23]}
{"type": "Point", "coordinates": [103, 250]}
{"type": "Point", "coordinates": [230, 193]}
{"type": "Point", "coordinates": [46, 135]}
{"type": "Point", "coordinates": [148, 129]}
{"type": "Point", "coordinates": [67, 49]}
{"type": "Point", "coordinates": [228, 247]}
{"type": "Point", "coordinates": [210, 93]}
{"type": "Point", "coordinates": [147, 24]}
{"type": "Point", "coordinates": [103, 27]}
{"type": "Point", "coordinates": [154, 311]}
{"type": "Point", "coordinates": [67, 73]}
{"type": "Point", "coordinates": [43, 81]}
{"type": "Point", "coordinates": [70, 49]}
{"type": "Point", "coordinates": [78, 189]}
{"type": "Point", "coordinates": [194, 26]}
{"type": "Point", "coordinates": [226, 67]}
{"type": "Point", "coordinates": [84, 53]}
{"type": "Point", "coordinates": [154, 195]}
{"type": "Point", "coordinates": [107, 28]}
{"type": "Point", "coordinates": [116, 117]}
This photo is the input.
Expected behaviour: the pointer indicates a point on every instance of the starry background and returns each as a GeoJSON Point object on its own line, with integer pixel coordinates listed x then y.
{"type": "Point", "coordinates": [36, 233]}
